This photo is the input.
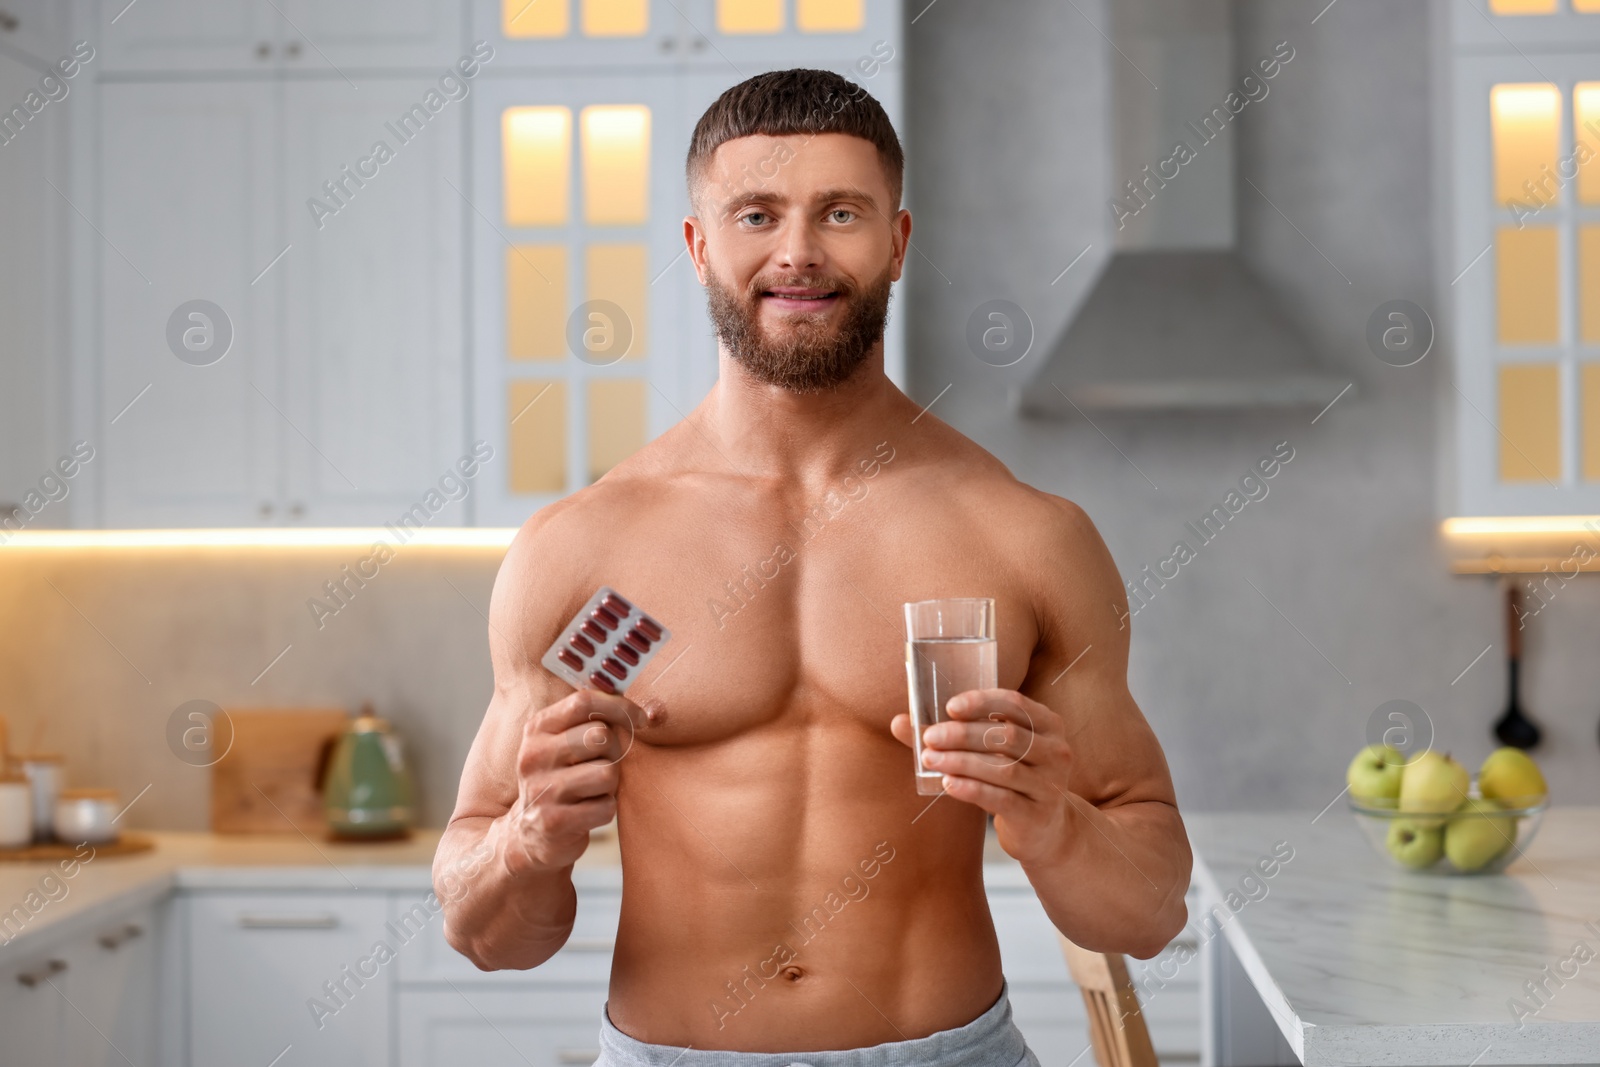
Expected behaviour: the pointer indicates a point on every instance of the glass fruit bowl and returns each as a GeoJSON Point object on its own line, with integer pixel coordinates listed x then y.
{"type": "Point", "coordinates": [1479, 837]}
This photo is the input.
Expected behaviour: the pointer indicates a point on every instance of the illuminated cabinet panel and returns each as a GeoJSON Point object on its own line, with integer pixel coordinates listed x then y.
{"type": "Point", "coordinates": [537, 158]}
{"type": "Point", "coordinates": [521, 19]}
{"type": "Point", "coordinates": [1527, 137]}
{"type": "Point", "coordinates": [749, 16]}
{"type": "Point", "coordinates": [829, 16]}
{"type": "Point", "coordinates": [616, 18]}
{"type": "Point", "coordinates": [1589, 389]}
{"type": "Point", "coordinates": [618, 419]}
{"type": "Point", "coordinates": [1522, 7]}
{"type": "Point", "coordinates": [1530, 422]}
{"type": "Point", "coordinates": [1527, 284]}
{"type": "Point", "coordinates": [536, 418]}
{"type": "Point", "coordinates": [1586, 129]}
{"type": "Point", "coordinates": [536, 301]}
{"type": "Point", "coordinates": [616, 164]}
{"type": "Point", "coordinates": [616, 274]}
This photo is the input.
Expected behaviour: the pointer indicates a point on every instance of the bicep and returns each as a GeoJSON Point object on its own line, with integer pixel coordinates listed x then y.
{"type": "Point", "coordinates": [1080, 671]}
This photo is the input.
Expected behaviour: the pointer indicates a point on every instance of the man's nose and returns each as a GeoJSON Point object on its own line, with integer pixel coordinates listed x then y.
{"type": "Point", "coordinates": [800, 249]}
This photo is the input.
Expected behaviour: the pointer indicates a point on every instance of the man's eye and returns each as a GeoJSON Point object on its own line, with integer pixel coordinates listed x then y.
{"type": "Point", "coordinates": [754, 217]}
{"type": "Point", "coordinates": [842, 211]}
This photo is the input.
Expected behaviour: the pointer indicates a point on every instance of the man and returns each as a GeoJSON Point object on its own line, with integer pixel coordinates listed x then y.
{"type": "Point", "coordinates": [786, 889]}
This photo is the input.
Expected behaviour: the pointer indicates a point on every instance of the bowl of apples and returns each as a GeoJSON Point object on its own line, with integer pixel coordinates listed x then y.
{"type": "Point", "coordinates": [1428, 814]}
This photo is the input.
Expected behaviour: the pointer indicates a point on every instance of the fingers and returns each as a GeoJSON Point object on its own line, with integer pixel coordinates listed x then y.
{"type": "Point", "coordinates": [900, 727]}
{"type": "Point", "coordinates": [1005, 740]}
{"type": "Point", "coordinates": [587, 705]}
{"type": "Point", "coordinates": [1007, 704]}
{"type": "Point", "coordinates": [583, 726]}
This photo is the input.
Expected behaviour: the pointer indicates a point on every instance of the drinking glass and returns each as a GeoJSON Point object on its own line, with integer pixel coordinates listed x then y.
{"type": "Point", "coordinates": [950, 648]}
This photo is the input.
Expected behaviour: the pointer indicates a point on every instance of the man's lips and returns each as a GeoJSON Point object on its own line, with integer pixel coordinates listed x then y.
{"type": "Point", "coordinates": [796, 298]}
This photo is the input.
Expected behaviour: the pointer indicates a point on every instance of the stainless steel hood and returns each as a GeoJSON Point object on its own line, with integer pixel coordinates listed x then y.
{"type": "Point", "coordinates": [1176, 319]}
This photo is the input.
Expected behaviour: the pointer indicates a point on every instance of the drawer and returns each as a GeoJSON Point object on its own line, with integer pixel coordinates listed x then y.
{"type": "Point", "coordinates": [586, 957]}
{"type": "Point", "coordinates": [529, 1027]}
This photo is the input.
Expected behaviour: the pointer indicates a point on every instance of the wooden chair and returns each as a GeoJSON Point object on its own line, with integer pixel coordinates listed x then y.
{"type": "Point", "coordinates": [1116, 1025]}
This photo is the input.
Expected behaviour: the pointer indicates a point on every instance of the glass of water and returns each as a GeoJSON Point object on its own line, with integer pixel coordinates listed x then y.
{"type": "Point", "coordinates": [950, 648]}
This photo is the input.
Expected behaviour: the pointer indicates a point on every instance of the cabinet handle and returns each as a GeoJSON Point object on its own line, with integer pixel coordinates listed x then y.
{"type": "Point", "coordinates": [326, 921]}
{"type": "Point", "coordinates": [589, 944]}
{"type": "Point", "coordinates": [667, 44]}
{"type": "Point", "coordinates": [115, 940]}
{"type": "Point", "coordinates": [8, 22]}
{"type": "Point", "coordinates": [43, 974]}
{"type": "Point", "coordinates": [263, 50]}
{"type": "Point", "coordinates": [297, 510]}
{"type": "Point", "coordinates": [293, 48]}
{"type": "Point", "coordinates": [698, 44]}
{"type": "Point", "coordinates": [577, 1055]}
{"type": "Point", "coordinates": [266, 511]}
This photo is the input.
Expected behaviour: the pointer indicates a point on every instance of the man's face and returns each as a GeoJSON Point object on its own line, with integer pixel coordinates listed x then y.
{"type": "Point", "coordinates": [797, 244]}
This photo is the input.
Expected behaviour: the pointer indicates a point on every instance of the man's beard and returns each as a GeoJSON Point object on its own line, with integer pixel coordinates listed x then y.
{"type": "Point", "coordinates": [809, 354]}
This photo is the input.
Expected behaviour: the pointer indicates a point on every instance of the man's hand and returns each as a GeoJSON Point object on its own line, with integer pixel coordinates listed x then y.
{"type": "Point", "coordinates": [1008, 755]}
{"type": "Point", "coordinates": [566, 779]}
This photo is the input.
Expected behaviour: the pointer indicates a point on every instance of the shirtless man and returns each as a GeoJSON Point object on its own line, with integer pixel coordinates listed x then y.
{"type": "Point", "coordinates": [786, 890]}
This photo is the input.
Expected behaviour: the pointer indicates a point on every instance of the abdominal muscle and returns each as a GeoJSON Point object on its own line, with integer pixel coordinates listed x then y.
{"type": "Point", "coordinates": [785, 891]}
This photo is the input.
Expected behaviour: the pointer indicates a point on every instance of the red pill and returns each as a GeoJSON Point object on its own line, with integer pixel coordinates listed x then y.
{"type": "Point", "coordinates": [648, 625]}
{"type": "Point", "coordinates": [570, 660]}
{"type": "Point", "coordinates": [593, 631]}
{"type": "Point", "coordinates": [618, 605]}
{"type": "Point", "coordinates": [581, 643]}
{"type": "Point", "coordinates": [638, 640]}
{"type": "Point", "coordinates": [626, 654]}
{"type": "Point", "coordinates": [605, 618]}
{"type": "Point", "coordinates": [614, 667]}
{"type": "Point", "coordinates": [602, 683]}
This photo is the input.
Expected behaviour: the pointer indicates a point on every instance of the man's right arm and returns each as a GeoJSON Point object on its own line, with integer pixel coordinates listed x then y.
{"type": "Point", "coordinates": [540, 775]}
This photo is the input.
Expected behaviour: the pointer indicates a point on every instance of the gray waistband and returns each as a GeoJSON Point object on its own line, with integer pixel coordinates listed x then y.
{"type": "Point", "coordinates": [990, 1040]}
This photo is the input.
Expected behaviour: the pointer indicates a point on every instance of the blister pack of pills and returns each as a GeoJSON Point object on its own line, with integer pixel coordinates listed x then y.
{"type": "Point", "coordinates": [606, 645]}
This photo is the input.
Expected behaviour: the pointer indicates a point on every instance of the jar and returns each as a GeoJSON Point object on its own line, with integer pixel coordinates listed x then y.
{"type": "Point", "coordinates": [86, 815]}
{"type": "Point", "coordinates": [16, 811]}
{"type": "Point", "coordinates": [45, 771]}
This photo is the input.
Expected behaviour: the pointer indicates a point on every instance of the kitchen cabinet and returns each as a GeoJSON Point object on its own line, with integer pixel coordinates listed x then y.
{"type": "Point", "coordinates": [321, 383]}
{"type": "Point", "coordinates": [1519, 260]}
{"type": "Point", "coordinates": [85, 998]}
{"type": "Point", "coordinates": [291, 36]}
{"type": "Point", "coordinates": [269, 972]}
{"type": "Point", "coordinates": [34, 32]}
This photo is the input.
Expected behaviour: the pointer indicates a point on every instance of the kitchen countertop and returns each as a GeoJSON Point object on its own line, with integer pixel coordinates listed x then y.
{"type": "Point", "coordinates": [1361, 961]}
{"type": "Point", "coordinates": [105, 886]}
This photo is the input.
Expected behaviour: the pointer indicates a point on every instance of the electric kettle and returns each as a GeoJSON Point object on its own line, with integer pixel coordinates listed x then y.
{"type": "Point", "coordinates": [366, 789]}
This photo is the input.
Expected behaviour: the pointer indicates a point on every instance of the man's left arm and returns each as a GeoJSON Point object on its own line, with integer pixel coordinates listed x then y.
{"type": "Point", "coordinates": [1073, 774]}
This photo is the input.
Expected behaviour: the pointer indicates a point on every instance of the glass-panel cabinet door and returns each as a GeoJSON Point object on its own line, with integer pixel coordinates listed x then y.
{"type": "Point", "coordinates": [1526, 291]}
{"type": "Point", "coordinates": [823, 33]}
{"type": "Point", "coordinates": [578, 34]}
{"type": "Point", "coordinates": [1504, 25]}
{"type": "Point", "coordinates": [579, 280]}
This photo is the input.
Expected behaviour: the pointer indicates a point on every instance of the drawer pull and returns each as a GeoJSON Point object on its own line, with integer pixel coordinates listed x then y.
{"type": "Point", "coordinates": [43, 974]}
{"type": "Point", "coordinates": [577, 1055]}
{"type": "Point", "coordinates": [288, 922]}
{"type": "Point", "coordinates": [115, 940]}
{"type": "Point", "coordinates": [589, 944]}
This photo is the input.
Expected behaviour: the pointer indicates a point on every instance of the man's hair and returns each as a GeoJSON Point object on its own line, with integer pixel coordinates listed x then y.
{"type": "Point", "coordinates": [787, 102]}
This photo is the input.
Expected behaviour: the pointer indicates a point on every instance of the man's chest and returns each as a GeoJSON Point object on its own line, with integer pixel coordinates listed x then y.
{"type": "Point", "coordinates": [780, 621]}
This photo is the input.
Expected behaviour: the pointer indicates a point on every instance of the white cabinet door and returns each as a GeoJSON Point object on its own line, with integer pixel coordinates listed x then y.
{"type": "Point", "coordinates": [538, 35]}
{"type": "Point", "coordinates": [274, 971]}
{"type": "Point", "coordinates": [36, 27]}
{"type": "Point", "coordinates": [373, 332]}
{"type": "Point", "coordinates": [188, 189]}
{"type": "Point", "coordinates": [110, 989]}
{"type": "Point", "coordinates": [162, 36]}
{"type": "Point", "coordinates": [352, 35]}
{"type": "Point", "coordinates": [30, 1010]}
{"type": "Point", "coordinates": [500, 1028]}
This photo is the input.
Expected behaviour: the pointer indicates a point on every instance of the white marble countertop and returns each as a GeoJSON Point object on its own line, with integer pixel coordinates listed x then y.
{"type": "Point", "coordinates": [1362, 962]}
{"type": "Point", "coordinates": [107, 885]}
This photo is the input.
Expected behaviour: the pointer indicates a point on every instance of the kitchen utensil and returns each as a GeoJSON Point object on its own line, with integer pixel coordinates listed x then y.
{"type": "Point", "coordinates": [86, 815]}
{"type": "Point", "coordinates": [1377, 818]}
{"type": "Point", "coordinates": [367, 790]}
{"type": "Point", "coordinates": [46, 772]}
{"type": "Point", "coordinates": [1514, 728]}
{"type": "Point", "coordinates": [16, 810]}
{"type": "Point", "coordinates": [267, 782]}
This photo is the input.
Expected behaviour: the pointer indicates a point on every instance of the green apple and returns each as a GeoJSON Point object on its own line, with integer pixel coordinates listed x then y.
{"type": "Point", "coordinates": [1433, 784]}
{"type": "Point", "coordinates": [1475, 836]}
{"type": "Point", "coordinates": [1512, 778]}
{"type": "Point", "coordinates": [1415, 844]}
{"type": "Point", "coordinates": [1375, 773]}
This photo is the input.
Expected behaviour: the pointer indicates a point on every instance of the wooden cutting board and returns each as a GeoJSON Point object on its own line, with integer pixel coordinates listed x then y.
{"type": "Point", "coordinates": [266, 783]}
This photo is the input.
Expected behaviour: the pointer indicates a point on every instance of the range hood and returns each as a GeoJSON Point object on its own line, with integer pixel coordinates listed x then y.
{"type": "Point", "coordinates": [1175, 318]}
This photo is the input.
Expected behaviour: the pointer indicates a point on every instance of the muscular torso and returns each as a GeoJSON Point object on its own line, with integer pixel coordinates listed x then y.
{"type": "Point", "coordinates": [785, 888]}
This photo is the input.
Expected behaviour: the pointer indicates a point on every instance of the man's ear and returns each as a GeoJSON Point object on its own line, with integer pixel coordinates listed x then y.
{"type": "Point", "coordinates": [694, 238]}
